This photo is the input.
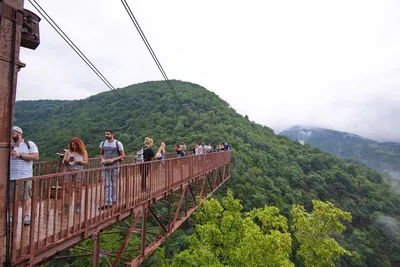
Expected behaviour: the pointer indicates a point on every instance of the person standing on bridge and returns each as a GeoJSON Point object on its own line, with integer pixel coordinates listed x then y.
{"type": "Point", "coordinates": [161, 152]}
{"type": "Point", "coordinates": [148, 154]}
{"type": "Point", "coordinates": [111, 153]}
{"type": "Point", "coordinates": [183, 148]}
{"type": "Point", "coordinates": [160, 155]}
{"type": "Point", "coordinates": [23, 154]}
{"type": "Point", "coordinates": [178, 150]}
{"type": "Point", "coordinates": [75, 159]}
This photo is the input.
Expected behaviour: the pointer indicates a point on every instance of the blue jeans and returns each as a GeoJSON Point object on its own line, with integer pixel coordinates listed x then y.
{"type": "Point", "coordinates": [110, 194]}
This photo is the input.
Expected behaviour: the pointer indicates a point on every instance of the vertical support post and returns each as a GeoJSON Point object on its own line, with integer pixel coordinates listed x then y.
{"type": "Point", "coordinates": [143, 244]}
{"type": "Point", "coordinates": [128, 192]}
{"type": "Point", "coordinates": [10, 38]}
{"type": "Point", "coordinates": [96, 249]}
{"type": "Point", "coordinates": [34, 215]}
{"type": "Point", "coordinates": [126, 240]}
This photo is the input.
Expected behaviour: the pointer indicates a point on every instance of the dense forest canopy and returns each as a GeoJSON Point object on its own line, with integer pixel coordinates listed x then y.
{"type": "Point", "coordinates": [266, 169]}
{"type": "Point", "coordinates": [224, 236]}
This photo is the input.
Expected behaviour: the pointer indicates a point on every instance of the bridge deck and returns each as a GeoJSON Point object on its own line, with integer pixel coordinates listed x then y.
{"type": "Point", "coordinates": [50, 225]}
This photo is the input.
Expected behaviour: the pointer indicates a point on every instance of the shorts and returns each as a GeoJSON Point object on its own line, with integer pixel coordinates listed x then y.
{"type": "Point", "coordinates": [21, 194]}
{"type": "Point", "coordinates": [77, 177]}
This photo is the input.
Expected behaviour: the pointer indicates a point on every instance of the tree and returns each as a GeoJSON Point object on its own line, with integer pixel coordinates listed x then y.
{"type": "Point", "coordinates": [226, 237]}
{"type": "Point", "coordinates": [313, 230]}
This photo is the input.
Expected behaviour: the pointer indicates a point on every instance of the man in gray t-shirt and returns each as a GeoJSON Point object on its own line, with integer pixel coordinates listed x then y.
{"type": "Point", "coordinates": [23, 154]}
{"type": "Point", "coordinates": [111, 152]}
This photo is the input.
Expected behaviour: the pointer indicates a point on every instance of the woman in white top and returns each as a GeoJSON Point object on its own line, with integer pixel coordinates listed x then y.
{"type": "Point", "coordinates": [161, 151]}
{"type": "Point", "coordinates": [161, 156]}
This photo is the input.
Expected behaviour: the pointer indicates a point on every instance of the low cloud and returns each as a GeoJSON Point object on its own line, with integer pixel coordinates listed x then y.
{"type": "Point", "coordinates": [390, 226]}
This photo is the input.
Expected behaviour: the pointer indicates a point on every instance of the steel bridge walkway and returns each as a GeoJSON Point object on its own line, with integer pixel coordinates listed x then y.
{"type": "Point", "coordinates": [177, 187]}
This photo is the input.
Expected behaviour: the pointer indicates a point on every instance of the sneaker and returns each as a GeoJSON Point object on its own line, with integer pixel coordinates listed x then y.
{"type": "Point", "coordinates": [27, 220]}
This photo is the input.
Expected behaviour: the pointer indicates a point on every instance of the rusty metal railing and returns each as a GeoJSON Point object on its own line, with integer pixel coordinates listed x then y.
{"type": "Point", "coordinates": [85, 193]}
{"type": "Point", "coordinates": [55, 166]}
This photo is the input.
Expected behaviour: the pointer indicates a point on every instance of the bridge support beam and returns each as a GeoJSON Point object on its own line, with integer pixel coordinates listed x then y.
{"type": "Point", "coordinates": [10, 38]}
{"type": "Point", "coordinates": [153, 222]}
{"type": "Point", "coordinates": [96, 249]}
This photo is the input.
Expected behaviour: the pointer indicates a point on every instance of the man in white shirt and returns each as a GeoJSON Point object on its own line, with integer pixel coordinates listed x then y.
{"type": "Point", "coordinates": [202, 149]}
{"type": "Point", "coordinates": [23, 154]}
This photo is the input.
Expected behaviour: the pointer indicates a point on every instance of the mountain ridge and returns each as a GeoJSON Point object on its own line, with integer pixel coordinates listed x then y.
{"type": "Point", "coordinates": [382, 156]}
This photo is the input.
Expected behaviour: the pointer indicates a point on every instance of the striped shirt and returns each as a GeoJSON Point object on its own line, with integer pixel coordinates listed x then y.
{"type": "Point", "coordinates": [20, 168]}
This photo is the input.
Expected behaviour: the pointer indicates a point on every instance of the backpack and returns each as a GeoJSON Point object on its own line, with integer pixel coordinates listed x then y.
{"type": "Point", "coordinates": [139, 155]}
{"type": "Point", "coordinates": [27, 144]}
{"type": "Point", "coordinates": [116, 144]}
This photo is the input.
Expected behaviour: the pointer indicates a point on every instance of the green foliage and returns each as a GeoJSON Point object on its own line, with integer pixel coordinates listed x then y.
{"type": "Point", "coordinates": [225, 236]}
{"type": "Point", "coordinates": [108, 243]}
{"type": "Point", "coordinates": [313, 230]}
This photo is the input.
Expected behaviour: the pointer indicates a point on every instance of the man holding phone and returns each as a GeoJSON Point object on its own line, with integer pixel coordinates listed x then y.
{"type": "Point", "coordinates": [23, 154]}
{"type": "Point", "coordinates": [111, 153]}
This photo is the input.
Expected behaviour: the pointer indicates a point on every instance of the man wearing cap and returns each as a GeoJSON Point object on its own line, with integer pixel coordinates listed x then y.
{"type": "Point", "coordinates": [23, 154]}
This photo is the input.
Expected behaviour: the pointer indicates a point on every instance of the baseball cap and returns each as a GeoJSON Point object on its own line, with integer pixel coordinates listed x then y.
{"type": "Point", "coordinates": [17, 129]}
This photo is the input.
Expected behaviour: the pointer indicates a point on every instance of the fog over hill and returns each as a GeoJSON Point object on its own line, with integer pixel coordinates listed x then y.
{"type": "Point", "coordinates": [382, 156]}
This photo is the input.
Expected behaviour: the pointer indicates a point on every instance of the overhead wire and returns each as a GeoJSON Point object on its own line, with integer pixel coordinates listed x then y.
{"type": "Point", "coordinates": [65, 37]}
{"type": "Point", "coordinates": [143, 36]}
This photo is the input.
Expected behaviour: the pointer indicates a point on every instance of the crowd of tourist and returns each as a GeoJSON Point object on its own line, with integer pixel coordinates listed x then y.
{"type": "Point", "coordinates": [75, 158]}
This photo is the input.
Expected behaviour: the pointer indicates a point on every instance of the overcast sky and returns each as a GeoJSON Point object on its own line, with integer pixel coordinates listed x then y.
{"type": "Point", "coordinates": [333, 64]}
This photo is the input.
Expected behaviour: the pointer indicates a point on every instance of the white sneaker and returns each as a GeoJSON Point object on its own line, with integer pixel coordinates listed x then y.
{"type": "Point", "coordinates": [27, 220]}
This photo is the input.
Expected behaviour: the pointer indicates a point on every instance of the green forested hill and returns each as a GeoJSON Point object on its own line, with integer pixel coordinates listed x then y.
{"type": "Point", "coordinates": [384, 157]}
{"type": "Point", "coordinates": [266, 168]}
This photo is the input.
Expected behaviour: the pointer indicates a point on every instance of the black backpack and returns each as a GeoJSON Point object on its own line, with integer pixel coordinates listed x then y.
{"type": "Point", "coordinates": [139, 155]}
{"type": "Point", "coordinates": [27, 143]}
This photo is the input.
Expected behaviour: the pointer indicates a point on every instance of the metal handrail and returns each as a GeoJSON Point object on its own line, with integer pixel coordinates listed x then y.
{"type": "Point", "coordinates": [55, 166]}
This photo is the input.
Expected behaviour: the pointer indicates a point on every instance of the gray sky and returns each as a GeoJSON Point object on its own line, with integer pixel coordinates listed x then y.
{"type": "Point", "coordinates": [332, 64]}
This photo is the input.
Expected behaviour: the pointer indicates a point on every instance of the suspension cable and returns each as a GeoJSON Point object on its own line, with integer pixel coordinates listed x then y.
{"type": "Point", "coordinates": [65, 37]}
{"type": "Point", "coordinates": [146, 42]}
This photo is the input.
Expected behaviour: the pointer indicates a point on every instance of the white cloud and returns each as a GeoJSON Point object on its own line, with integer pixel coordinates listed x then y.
{"type": "Point", "coordinates": [332, 64]}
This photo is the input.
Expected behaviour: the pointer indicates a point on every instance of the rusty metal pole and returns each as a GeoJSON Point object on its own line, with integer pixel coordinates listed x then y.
{"type": "Point", "coordinates": [143, 244]}
{"type": "Point", "coordinates": [96, 249]}
{"type": "Point", "coordinates": [9, 54]}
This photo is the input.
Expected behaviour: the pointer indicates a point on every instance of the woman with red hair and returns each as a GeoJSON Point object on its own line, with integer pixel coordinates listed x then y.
{"type": "Point", "coordinates": [75, 159]}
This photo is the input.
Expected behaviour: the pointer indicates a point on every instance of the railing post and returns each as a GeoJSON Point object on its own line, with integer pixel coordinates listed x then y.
{"type": "Point", "coordinates": [14, 205]}
{"type": "Point", "coordinates": [127, 187]}
{"type": "Point", "coordinates": [85, 179]}
{"type": "Point", "coordinates": [96, 249]}
{"type": "Point", "coordinates": [33, 217]}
